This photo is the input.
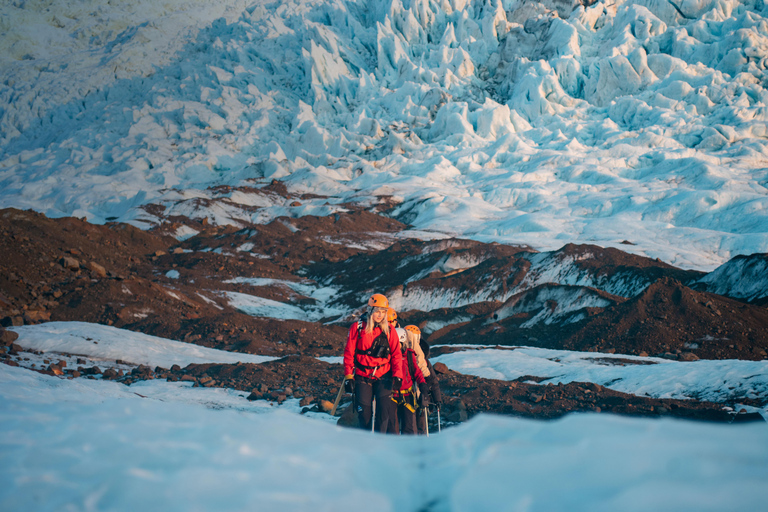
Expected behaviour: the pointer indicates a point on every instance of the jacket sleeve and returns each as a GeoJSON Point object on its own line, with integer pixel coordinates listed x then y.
{"type": "Point", "coordinates": [434, 386]}
{"type": "Point", "coordinates": [396, 356]}
{"type": "Point", "coordinates": [349, 351]}
{"type": "Point", "coordinates": [421, 360]}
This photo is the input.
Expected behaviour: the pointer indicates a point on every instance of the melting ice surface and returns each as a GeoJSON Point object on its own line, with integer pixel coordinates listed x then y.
{"type": "Point", "coordinates": [507, 121]}
{"type": "Point", "coordinates": [99, 445]}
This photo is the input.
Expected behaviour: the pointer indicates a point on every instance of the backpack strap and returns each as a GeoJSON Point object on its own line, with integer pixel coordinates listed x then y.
{"type": "Point", "coordinates": [409, 356]}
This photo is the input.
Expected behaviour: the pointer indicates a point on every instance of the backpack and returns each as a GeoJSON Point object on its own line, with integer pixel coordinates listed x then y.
{"type": "Point", "coordinates": [380, 347]}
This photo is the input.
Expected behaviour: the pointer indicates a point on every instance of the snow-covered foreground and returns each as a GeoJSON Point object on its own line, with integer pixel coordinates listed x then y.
{"type": "Point", "coordinates": [507, 120]}
{"type": "Point", "coordinates": [716, 381]}
{"type": "Point", "coordinates": [92, 445]}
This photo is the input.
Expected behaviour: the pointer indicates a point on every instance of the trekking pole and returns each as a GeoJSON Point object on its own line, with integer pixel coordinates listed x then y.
{"type": "Point", "coordinates": [338, 398]}
{"type": "Point", "coordinates": [373, 413]}
{"type": "Point", "coordinates": [426, 420]}
{"type": "Point", "coordinates": [438, 419]}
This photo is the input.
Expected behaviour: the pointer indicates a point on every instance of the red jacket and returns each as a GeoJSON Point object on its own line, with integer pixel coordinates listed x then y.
{"type": "Point", "coordinates": [368, 366]}
{"type": "Point", "coordinates": [410, 361]}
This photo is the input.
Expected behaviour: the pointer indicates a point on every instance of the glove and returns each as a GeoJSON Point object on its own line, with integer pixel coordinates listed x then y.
{"type": "Point", "coordinates": [397, 383]}
{"type": "Point", "coordinates": [349, 384]}
{"type": "Point", "coordinates": [423, 395]}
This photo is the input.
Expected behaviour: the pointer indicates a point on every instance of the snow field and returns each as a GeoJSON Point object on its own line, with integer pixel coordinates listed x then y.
{"type": "Point", "coordinates": [108, 344]}
{"type": "Point", "coordinates": [92, 445]}
{"type": "Point", "coordinates": [712, 380]}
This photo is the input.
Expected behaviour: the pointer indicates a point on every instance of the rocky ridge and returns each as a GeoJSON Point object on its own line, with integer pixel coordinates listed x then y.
{"type": "Point", "coordinates": [458, 291]}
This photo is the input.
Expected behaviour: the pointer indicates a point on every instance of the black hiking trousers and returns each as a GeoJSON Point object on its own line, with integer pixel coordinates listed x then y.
{"type": "Point", "coordinates": [407, 420]}
{"type": "Point", "coordinates": [365, 390]}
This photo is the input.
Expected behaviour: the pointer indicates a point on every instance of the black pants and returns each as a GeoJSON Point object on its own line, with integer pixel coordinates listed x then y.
{"type": "Point", "coordinates": [365, 390]}
{"type": "Point", "coordinates": [407, 420]}
{"type": "Point", "coordinates": [394, 424]}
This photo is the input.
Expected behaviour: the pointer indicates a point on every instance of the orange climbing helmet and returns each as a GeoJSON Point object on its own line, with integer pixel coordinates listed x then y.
{"type": "Point", "coordinates": [377, 300]}
{"type": "Point", "coordinates": [413, 329]}
{"type": "Point", "coordinates": [391, 315]}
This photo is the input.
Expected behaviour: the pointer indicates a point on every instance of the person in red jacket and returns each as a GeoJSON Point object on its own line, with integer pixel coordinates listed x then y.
{"type": "Point", "coordinates": [373, 364]}
{"type": "Point", "coordinates": [407, 398]}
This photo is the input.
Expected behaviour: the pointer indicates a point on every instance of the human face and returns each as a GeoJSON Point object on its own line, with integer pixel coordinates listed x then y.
{"type": "Point", "coordinates": [379, 314]}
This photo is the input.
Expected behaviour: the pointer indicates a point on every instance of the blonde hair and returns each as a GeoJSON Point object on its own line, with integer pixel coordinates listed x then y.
{"type": "Point", "coordinates": [413, 338]}
{"type": "Point", "coordinates": [421, 360]}
{"type": "Point", "coordinates": [370, 324]}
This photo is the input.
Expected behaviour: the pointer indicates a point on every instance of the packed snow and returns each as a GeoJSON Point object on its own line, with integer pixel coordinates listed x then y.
{"type": "Point", "coordinates": [506, 121]}
{"type": "Point", "coordinates": [711, 380]}
{"type": "Point", "coordinates": [93, 445]}
{"type": "Point", "coordinates": [105, 343]}
{"type": "Point", "coordinates": [254, 305]}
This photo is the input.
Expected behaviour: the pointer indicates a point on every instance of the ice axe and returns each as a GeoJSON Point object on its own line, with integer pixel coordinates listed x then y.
{"type": "Point", "coordinates": [338, 398]}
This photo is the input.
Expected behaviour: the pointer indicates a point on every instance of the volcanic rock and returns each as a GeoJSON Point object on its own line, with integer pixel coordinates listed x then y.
{"type": "Point", "coordinates": [12, 321]}
{"type": "Point", "coordinates": [349, 418]}
{"type": "Point", "coordinates": [8, 337]}
{"type": "Point", "coordinates": [97, 269]}
{"type": "Point", "coordinates": [69, 263]}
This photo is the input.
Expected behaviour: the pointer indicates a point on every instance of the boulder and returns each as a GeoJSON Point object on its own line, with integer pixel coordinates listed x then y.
{"type": "Point", "coordinates": [457, 416]}
{"type": "Point", "coordinates": [688, 356]}
{"type": "Point", "coordinates": [7, 337]}
{"type": "Point", "coordinates": [12, 321]}
{"type": "Point", "coordinates": [69, 263]}
{"type": "Point", "coordinates": [349, 418]}
{"type": "Point", "coordinates": [33, 317]}
{"type": "Point", "coordinates": [97, 269]}
{"type": "Point", "coordinates": [441, 368]}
